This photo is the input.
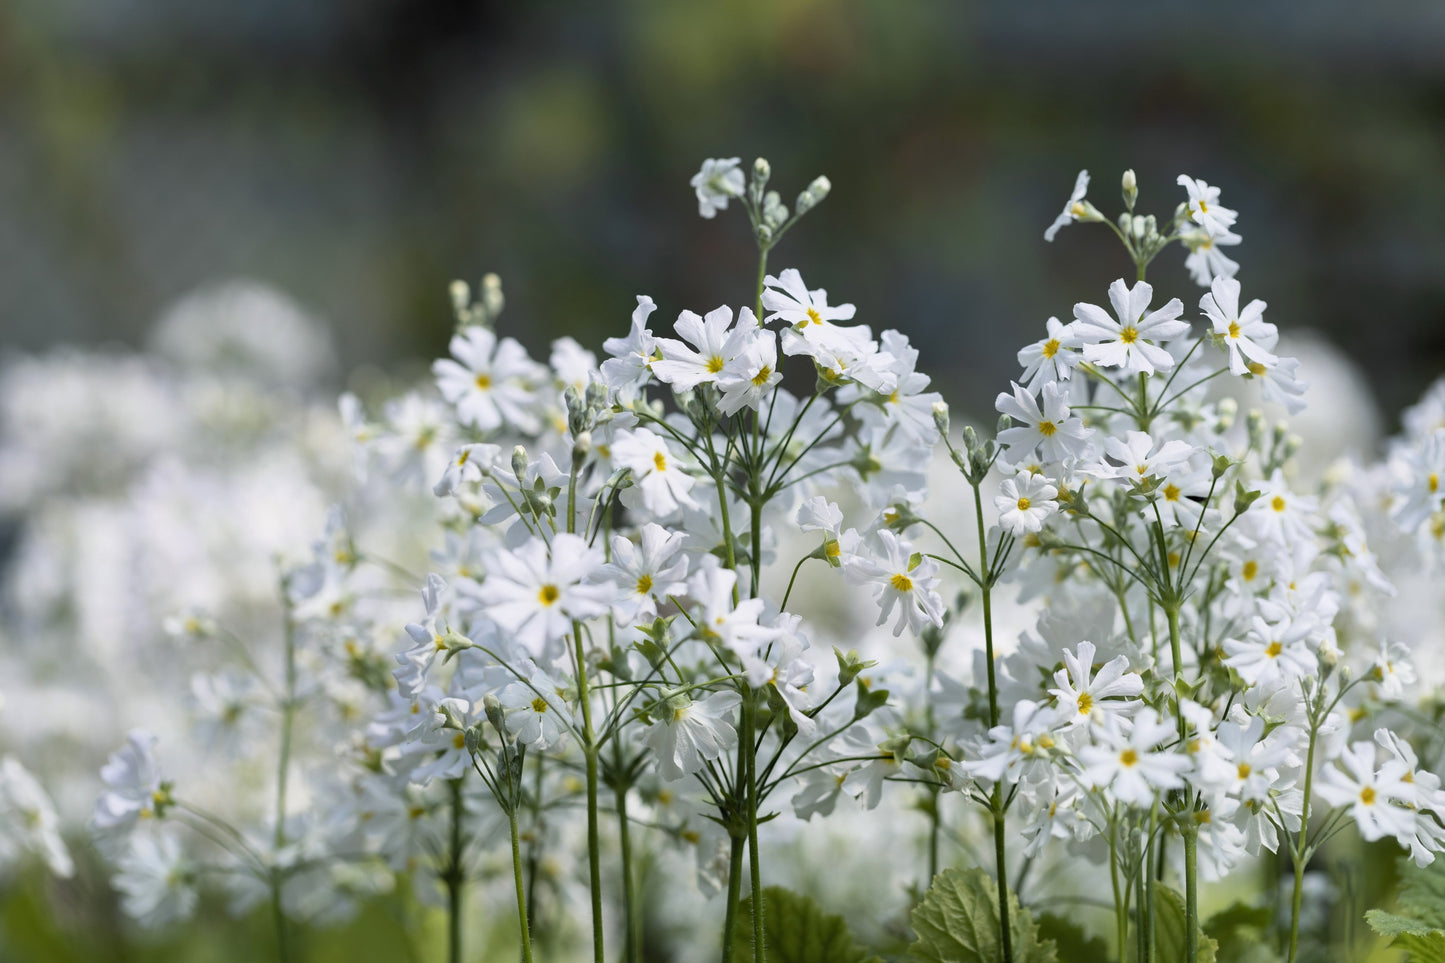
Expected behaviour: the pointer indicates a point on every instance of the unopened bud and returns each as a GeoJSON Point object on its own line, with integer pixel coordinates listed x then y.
{"type": "Point", "coordinates": [496, 715]}
{"type": "Point", "coordinates": [582, 446]}
{"type": "Point", "coordinates": [1220, 466]}
{"type": "Point", "coordinates": [940, 416]}
{"type": "Point", "coordinates": [814, 194]}
{"type": "Point", "coordinates": [1138, 226]}
{"type": "Point", "coordinates": [762, 170]}
{"type": "Point", "coordinates": [1130, 185]}
{"type": "Point", "coordinates": [492, 299]}
{"type": "Point", "coordinates": [519, 463]}
{"type": "Point", "coordinates": [461, 294]}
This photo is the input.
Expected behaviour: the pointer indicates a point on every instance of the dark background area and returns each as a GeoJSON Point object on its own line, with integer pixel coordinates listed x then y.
{"type": "Point", "coordinates": [359, 154]}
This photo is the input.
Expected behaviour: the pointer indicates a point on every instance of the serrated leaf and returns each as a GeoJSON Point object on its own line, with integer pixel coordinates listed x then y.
{"type": "Point", "coordinates": [1422, 949]}
{"type": "Point", "coordinates": [1080, 947]}
{"type": "Point", "coordinates": [1422, 892]}
{"type": "Point", "coordinates": [958, 922]}
{"type": "Point", "coordinates": [1169, 918]}
{"type": "Point", "coordinates": [795, 930]}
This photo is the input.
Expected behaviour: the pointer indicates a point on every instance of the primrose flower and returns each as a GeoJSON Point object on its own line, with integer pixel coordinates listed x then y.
{"type": "Point", "coordinates": [533, 593]}
{"type": "Point", "coordinates": [1025, 502]}
{"type": "Point", "coordinates": [656, 470]}
{"type": "Point", "coordinates": [1050, 359]}
{"type": "Point", "coordinates": [719, 181]}
{"type": "Point", "coordinates": [900, 578]}
{"type": "Point", "coordinates": [492, 383]}
{"type": "Point", "coordinates": [1129, 341]}
{"type": "Point", "coordinates": [1129, 765]}
{"type": "Point", "coordinates": [1204, 207]}
{"type": "Point", "coordinates": [1245, 333]}
{"type": "Point", "coordinates": [1085, 699]}
{"type": "Point", "coordinates": [1074, 208]}
{"type": "Point", "coordinates": [1043, 424]}
{"type": "Point", "coordinates": [689, 732]}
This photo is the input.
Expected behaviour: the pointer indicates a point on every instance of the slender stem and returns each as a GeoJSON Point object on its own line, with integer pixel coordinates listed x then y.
{"type": "Point", "coordinates": [749, 747]}
{"type": "Point", "coordinates": [1191, 887]}
{"type": "Point", "coordinates": [1121, 905]}
{"type": "Point", "coordinates": [1299, 849]}
{"type": "Point", "coordinates": [735, 889]}
{"type": "Point", "coordinates": [453, 877]}
{"type": "Point", "coordinates": [996, 806]}
{"type": "Point", "coordinates": [522, 911]}
{"type": "Point", "coordinates": [633, 945]}
{"type": "Point", "coordinates": [594, 844]}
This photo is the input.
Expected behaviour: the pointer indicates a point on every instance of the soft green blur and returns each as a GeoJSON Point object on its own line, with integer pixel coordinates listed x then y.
{"type": "Point", "coordinates": [361, 153]}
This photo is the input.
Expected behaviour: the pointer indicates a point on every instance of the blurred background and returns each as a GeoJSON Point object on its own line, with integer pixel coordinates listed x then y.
{"type": "Point", "coordinates": [359, 154]}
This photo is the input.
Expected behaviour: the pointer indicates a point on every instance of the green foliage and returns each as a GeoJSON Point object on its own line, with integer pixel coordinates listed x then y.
{"type": "Point", "coordinates": [795, 930]}
{"type": "Point", "coordinates": [1073, 941]}
{"type": "Point", "coordinates": [1169, 932]}
{"type": "Point", "coordinates": [1419, 929]}
{"type": "Point", "coordinates": [1242, 933]}
{"type": "Point", "coordinates": [957, 922]}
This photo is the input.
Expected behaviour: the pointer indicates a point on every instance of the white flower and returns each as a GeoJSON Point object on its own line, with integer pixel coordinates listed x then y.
{"type": "Point", "coordinates": [133, 786]}
{"type": "Point", "coordinates": [903, 579]}
{"type": "Point", "coordinates": [710, 343]}
{"type": "Point", "coordinates": [688, 732]}
{"type": "Point", "coordinates": [533, 593]}
{"type": "Point", "coordinates": [654, 568]}
{"type": "Point", "coordinates": [28, 822]}
{"type": "Point", "coordinates": [1050, 359]}
{"type": "Point", "coordinates": [492, 383]}
{"type": "Point", "coordinates": [1083, 698]}
{"type": "Point", "coordinates": [537, 711]}
{"type": "Point", "coordinates": [156, 882]}
{"type": "Point", "coordinates": [1048, 426]}
{"type": "Point", "coordinates": [719, 180]}
{"type": "Point", "coordinates": [1140, 457]}
{"type": "Point", "coordinates": [1128, 765]}
{"type": "Point", "coordinates": [1245, 333]}
{"type": "Point", "coordinates": [631, 363]}
{"type": "Point", "coordinates": [1205, 260]}
{"type": "Point", "coordinates": [467, 466]}
{"type": "Point", "coordinates": [1372, 796]}
{"type": "Point", "coordinates": [1272, 655]}
{"type": "Point", "coordinates": [656, 471]}
{"type": "Point", "coordinates": [1025, 502]}
{"type": "Point", "coordinates": [1204, 207]}
{"type": "Point", "coordinates": [750, 374]}
{"type": "Point", "coordinates": [1130, 341]}
{"type": "Point", "coordinates": [1280, 515]}
{"type": "Point", "coordinates": [1073, 209]}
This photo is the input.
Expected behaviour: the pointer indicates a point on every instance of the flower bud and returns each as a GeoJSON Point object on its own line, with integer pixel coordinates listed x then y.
{"type": "Point", "coordinates": [762, 170]}
{"type": "Point", "coordinates": [492, 300]}
{"type": "Point", "coordinates": [519, 463]}
{"type": "Point", "coordinates": [461, 295]}
{"type": "Point", "coordinates": [582, 446]}
{"type": "Point", "coordinates": [1220, 465]}
{"type": "Point", "coordinates": [813, 195]}
{"type": "Point", "coordinates": [1130, 186]}
{"type": "Point", "coordinates": [940, 416]}
{"type": "Point", "coordinates": [496, 715]}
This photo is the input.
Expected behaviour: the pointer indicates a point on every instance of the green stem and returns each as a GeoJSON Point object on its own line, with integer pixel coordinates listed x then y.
{"type": "Point", "coordinates": [521, 893]}
{"type": "Point", "coordinates": [594, 844]}
{"type": "Point", "coordinates": [996, 803]}
{"type": "Point", "coordinates": [735, 889]}
{"type": "Point", "coordinates": [453, 877]}
{"type": "Point", "coordinates": [1299, 849]}
{"type": "Point", "coordinates": [754, 858]}
{"type": "Point", "coordinates": [1121, 905]}
{"type": "Point", "coordinates": [629, 899]}
{"type": "Point", "coordinates": [1191, 888]}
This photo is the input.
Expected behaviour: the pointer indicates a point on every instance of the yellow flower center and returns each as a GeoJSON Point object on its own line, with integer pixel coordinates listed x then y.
{"type": "Point", "coordinates": [1274, 649]}
{"type": "Point", "coordinates": [459, 740]}
{"type": "Point", "coordinates": [1244, 770]}
{"type": "Point", "coordinates": [1129, 335]}
{"type": "Point", "coordinates": [548, 594]}
{"type": "Point", "coordinates": [761, 378]}
{"type": "Point", "coordinates": [644, 584]}
{"type": "Point", "coordinates": [1234, 329]}
{"type": "Point", "coordinates": [1367, 796]}
{"type": "Point", "coordinates": [812, 317]}
{"type": "Point", "coordinates": [1250, 570]}
{"type": "Point", "coordinates": [483, 381]}
{"type": "Point", "coordinates": [1277, 503]}
{"type": "Point", "coordinates": [1023, 504]}
{"type": "Point", "coordinates": [1128, 758]}
{"type": "Point", "coordinates": [714, 364]}
{"type": "Point", "coordinates": [1171, 493]}
{"type": "Point", "coordinates": [1086, 703]}
{"type": "Point", "coordinates": [1047, 428]}
{"type": "Point", "coordinates": [539, 704]}
{"type": "Point", "coordinates": [1433, 483]}
{"type": "Point", "coordinates": [1051, 347]}
{"type": "Point", "coordinates": [659, 462]}
{"type": "Point", "coordinates": [901, 582]}
{"type": "Point", "coordinates": [1203, 208]}
{"type": "Point", "coordinates": [1255, 368]}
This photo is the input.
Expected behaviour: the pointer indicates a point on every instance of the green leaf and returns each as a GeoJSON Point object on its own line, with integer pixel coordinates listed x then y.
{"type": "Point", "coordinates": [1081, 947]}
{"type": "Point", "coordinates": [795, 930]}
{"type": "Point", "coordinates": [1424, 943]}
{"type": "Point", "coordinates": [1422, 892]}
{"type": "Point", "coordinates": [957, 922]}
{"type": "Point", "coordinates": [1169, 918]}
{"type": "Point", "coordinates": [1243, 934]}
{"type": "Point", "coordinates": [1238, 916]}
